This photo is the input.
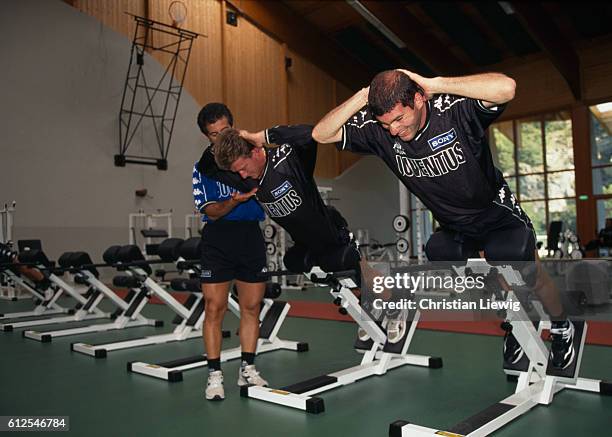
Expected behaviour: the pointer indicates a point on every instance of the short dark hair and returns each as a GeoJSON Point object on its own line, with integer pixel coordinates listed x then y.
{"type": "Point", "coordinates": [229, 147]}
{"type": "Point", "coordinates": [389, 88]}
{"type": "Point", "coordinates": [212, 112]}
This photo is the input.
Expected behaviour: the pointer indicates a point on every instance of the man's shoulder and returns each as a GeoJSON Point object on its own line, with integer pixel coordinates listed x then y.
{"type": "Point", "coordinates": [206, 164]}
{"type": "Point", "coordinates": [279, 155]}
{"type": "Point", "coordinates": [362, 118]}
{"type": "Point", "coordinates": [441, 103]}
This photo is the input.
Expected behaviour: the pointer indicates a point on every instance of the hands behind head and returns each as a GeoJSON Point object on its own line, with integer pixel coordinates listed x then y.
{"type": "Point", "coordinates": [243, 197]}
{"type": "Point", "coordinates": [424, 82]}
{"type": "Point", "coordinates": [257, 139]}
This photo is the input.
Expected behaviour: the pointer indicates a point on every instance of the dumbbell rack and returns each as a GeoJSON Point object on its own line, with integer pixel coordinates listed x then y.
{"type": "Point", "coordinates": [8, 290]}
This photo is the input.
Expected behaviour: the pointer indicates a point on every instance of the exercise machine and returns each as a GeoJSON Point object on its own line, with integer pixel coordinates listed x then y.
{"type": "Point", "coordinates": [538, 380]}
{"type": "Point", "coordinates": [272, 316]}
{"type": "Point", "coordinates": [130, 259]}
{"type": "Point", "coordinates": [87, 303]}
{"type": "Point", "coordinates": [379, 355]}
{"type": "Point", "coordinates": [128, 309]}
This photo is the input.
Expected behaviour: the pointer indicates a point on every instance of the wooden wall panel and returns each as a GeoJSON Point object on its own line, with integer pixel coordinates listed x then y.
{"type": "Point", "coordinates": [254, 75]}
{"type": "Point", "coordinates": [203, 79]}
{"type": "Point", "coordinates": [311, 95]}
{"type": "Point", "coordinates": [311, 91]}
{"type": "Point", "coordinates": [112, 13]}
{"type": "Point", "coordinates": [596, 63]}
{"type": "Point", "coordinates": [345, 159]}
{"type": "Point", "coordinates": [539, 88]}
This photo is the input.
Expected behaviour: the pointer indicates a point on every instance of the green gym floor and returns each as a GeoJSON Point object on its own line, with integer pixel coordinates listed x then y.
{"type": "Point", "coordinates": [103, 399]}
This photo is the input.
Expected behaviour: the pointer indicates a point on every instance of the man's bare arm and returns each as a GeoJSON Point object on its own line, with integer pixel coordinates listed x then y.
{"type": "Point", "coordinates": [217, 210]}
{"type": "Point", "coordinates": [491, 88]}
{"type": "Point", "coordinates": [329, 129]}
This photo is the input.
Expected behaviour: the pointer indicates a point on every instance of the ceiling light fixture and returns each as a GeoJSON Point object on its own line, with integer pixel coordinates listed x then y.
{"type": "Point", "coordinates": [371, 18]}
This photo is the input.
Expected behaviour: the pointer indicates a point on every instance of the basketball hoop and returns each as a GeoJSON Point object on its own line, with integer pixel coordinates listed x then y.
{"type": "Point", "coordinates": [177, 12]}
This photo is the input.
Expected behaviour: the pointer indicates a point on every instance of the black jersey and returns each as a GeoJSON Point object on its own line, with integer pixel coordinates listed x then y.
{"type": "Point", "coordinates": [448, 164]}
{"type": "Point", "coordinates": [287, 191]}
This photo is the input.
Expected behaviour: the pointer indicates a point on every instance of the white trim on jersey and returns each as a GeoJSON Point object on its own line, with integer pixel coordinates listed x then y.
{"type": "Point", "coordinates": [204, 188]}
{"type": "Point", "coordinates": [263, 176]}
{"type": "Point", "coordinates": [267, 137]}
{"type": "Point", "coordinates": [512, 211]}
{"type": "Point", "coordinates": [439, 101]}
{"type": "Point", "coordinates": [426, 125]}
{"type": "Point", "coordinates": [284, 157]}
{"type": "Point", "coordinates": [206, 204]}
{"type": "Point", "coordinates": [359, 126]}
{"type": "Point", "coordinates": [492, 109]}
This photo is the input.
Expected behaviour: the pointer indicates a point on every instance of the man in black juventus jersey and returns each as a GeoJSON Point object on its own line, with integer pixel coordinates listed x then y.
{"type": "Point", "coordinates": [431, 133]}
{"type": "Point", "coordinates": [286, 189]}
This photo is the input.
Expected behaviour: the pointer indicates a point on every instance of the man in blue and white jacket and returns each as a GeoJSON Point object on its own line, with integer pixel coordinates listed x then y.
{"type": "Point", "coordinates": [233, 250]}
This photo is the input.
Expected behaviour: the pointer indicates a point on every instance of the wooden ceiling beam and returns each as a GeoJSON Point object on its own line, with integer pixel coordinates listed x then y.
{"type": "Point", "coordinates": [276, 19]}
{"type": "Point", "coordinates": [410, 30]}
{"type": "Point", "coordinates": [546, 34]}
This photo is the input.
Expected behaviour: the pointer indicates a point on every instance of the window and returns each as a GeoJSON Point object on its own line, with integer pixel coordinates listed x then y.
{"type": "Point", "coordinates": [536, 156]}
{"type": "Point", "coordinates": [601, 160]}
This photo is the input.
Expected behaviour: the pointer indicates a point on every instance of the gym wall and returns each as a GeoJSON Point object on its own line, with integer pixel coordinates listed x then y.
{"type": "Point", "coordinates": [64, 79]}
{"type": "Point", "coordinates": [60, 122]}
{"type": "Point", "coordinates": [243, 66]}
{"type": "Point", "coordinates": [368, 196]}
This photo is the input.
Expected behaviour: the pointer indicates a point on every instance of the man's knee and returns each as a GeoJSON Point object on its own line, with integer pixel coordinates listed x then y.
{"type": "Point", "coordinates": [448, 246]}
{"type": "Point", "coordinates": [515, 244]}
{"type": "Point", "coordinates": [297, 259]}
{"type": "Point", "coordinates": [215, 308]}
{"type": "Point", "coordinates": [340, 258]}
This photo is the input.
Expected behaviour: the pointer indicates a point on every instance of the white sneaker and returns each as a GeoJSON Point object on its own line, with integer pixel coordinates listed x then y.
{"type": "Point", "coordinates": [214, 386]}
{"type": "Point", "coordinates": [396, 327]}
{"type": "Point", "coordinates": [249, 375]}
{"type": "Point", "coordinates": [362, 334]}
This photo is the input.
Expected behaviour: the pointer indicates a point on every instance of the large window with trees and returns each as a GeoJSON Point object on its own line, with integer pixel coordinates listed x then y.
{"type": "Point", "coordinates": [601, 160]}
{"type": "Point", "coordinates": [536, 157]}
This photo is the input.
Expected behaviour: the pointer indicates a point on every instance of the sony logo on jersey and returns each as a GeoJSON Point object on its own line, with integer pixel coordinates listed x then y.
{"type": "Point", "coordinates": [280, 190]}
{"type": "Point", "coordinates": [442, 140]}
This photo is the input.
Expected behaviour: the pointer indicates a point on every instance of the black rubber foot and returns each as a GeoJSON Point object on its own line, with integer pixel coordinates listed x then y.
{"type": "Point", "coordinates": [46, 339]}
{"type": "Point", "coordinates": [244, 390]}
{"type": "Point", "coordinates": [395, 429]}
{"type": "Point", "coordinates": [315, 405]}
{"type": "Point", "coordinates": [8, 328]}
{"type": "Point", "coordinates": [605, 388]}
{"type": "Point", "coordinates": [70, 312]}
{"type": "Point", "coordinates": [226, 334]}
{"type": "Point", "coordinates": [302, 347]}
{"type": "Point", "coordinates": [159, 323]}
{"type": "Point", "coordinates": [511, 378]}
{"type": "Point", "coordinates": [128, 366]}
{"type": "Point", "coordinates": [435, 362]}
{"type": "Point", "coordinates": [175, 376]}
{"type": "Point", "coordinates": [100, 353]}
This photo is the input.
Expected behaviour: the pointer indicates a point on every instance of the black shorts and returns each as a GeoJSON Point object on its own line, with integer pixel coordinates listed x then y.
{"type": "Point", "coordinates": [233, 250]}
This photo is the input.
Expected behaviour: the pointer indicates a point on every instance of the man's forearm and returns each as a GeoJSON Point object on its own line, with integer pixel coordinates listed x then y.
{"type": "Point", "coordinates": [489, 87]}
{"type": "Point", "coordinates": [218, 209]}
{"type": "Point", "coordinates": [329, 129]}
